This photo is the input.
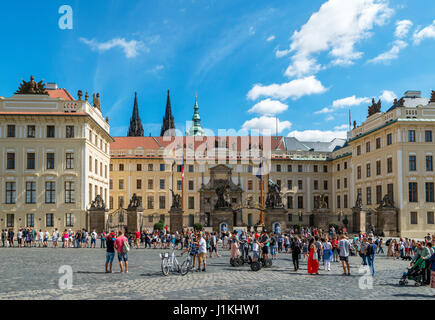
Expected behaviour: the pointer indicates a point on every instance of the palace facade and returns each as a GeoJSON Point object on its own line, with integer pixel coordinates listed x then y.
{"type": "Point", "coordinates": [58, 155]}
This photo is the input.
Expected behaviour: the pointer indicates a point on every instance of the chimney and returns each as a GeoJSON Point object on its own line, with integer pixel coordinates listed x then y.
{"type": "Point", "coordinates": [51, 86]}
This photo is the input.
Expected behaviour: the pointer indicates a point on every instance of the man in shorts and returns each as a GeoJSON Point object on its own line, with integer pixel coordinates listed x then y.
{"type": "Point", "coordinates": [202, 253]}
{"type": "Point", "coordinates": [264, 240]}
{"type": "Point", "coordinates": [344, 247]}
{"type": "Point", "coordinates": [122, 256]}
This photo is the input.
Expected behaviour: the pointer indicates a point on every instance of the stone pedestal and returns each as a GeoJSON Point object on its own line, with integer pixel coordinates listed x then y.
{"type": "Point", "coordinates": [321, 218]}
{"type": "Point", "coordinates": [273, 215]}
{"type": "Point", "coordinates": [176, 220]}
{"type": "Point", "coordinates": [359, 220]}
{"type": "Point", "coordinates": [134, 219]}
{"type": "Point", "coordinates": [222, 215]}
{"type": "Point", "coordinates": [97, 219]}
{"type": "Point", "coordinates": [387, 222]}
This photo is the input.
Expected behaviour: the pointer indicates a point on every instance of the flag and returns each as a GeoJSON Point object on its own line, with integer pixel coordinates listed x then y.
{"type": "Point", "coordinates": [182, 169]}
{"type": "Point", "coordinates": [259, 174]}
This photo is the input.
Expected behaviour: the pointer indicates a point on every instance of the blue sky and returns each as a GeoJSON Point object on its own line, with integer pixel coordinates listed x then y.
{"type": "Point", "coordinates": [306, 62]}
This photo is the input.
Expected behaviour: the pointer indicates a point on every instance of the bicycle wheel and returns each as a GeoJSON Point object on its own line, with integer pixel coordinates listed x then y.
{"type": "Point", "coordinates": [165, 267]}
{"type": "Point", "coordinates": [185, 267]}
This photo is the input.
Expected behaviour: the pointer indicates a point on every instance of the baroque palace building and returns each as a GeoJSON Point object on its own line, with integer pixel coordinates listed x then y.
{"type": "Point", "coordinates": [58, 155]}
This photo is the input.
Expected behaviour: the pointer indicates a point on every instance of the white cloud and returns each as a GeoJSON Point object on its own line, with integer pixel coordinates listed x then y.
{"type": "Point", "coordinates": [336, 28]}
{"type": "Point", "coordinates": [294, 89]}
{"type": "Point", "coordinates": [402, 28]}
{"type": "Point", "coordinates": [329, 118]}
{"type": "Point", "coordinates": [324, 110]}
{"type": "Point", "coordinates": [281, 53]}
{"type": "Point", "coordinates": [349, 101]}
{"type": "Point", "coordinates": [318, 135]}
{"type": "Point", "coordinates": [392, 54]}
{"type": "Point", "coordinates": [341, 127]}
{"type": "Point", "coordinates": [269, 107]}
{"type": "Point", "coordinates": [387, 96]}
{"type": "Point", "coordinates": [271, 38]}
{"type": "Point", "coordinates": [131, 48]}
{"type": "Point", "coordinates": [265, 123]}
{"type": "Point", "coordinates": [251, 31]}
{"type": "Point", "coordinates": [427, 32]}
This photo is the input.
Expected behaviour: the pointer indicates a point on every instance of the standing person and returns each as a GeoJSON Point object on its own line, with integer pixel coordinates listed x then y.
{"type": "Point", "coordinates": [296, 251]}
{"type": "Point", "coordinates": [93, 239]}
{"type": "Point", "coordinates": [19, 237]}
{"type": "Point", "coordinates": [235, 253]}
{"type": "Point", "coordinates": [344, 246]}
{"type": "Point", "coordinates": [103, 240]}
{"type": "Point", "coordinates": [120, 242]}
{"type": "Point", "coordinates": [214, 239]}
{"type": "Point", "coordinates": [380, 246]}
{"type": "Point", "coordinates": [432, 261]}
{"type": "Point", "coordinates": [65, 239]}
{"type": "Point", "coordinates": [370, 255]}
{"type": "Point", "coordinates": [137, 238]}
{"type": "Point", "coordinates": [304, 249]}
{"type": "Point", "coordinates": [313, 258]}
{"type": "Point", "coordinates": [110, 252]}
{"type": "Point", "coordinates": [3, 237]}
{"type": "Point", "coordinates": [363, 251]}
{"type": "Point", "coordinates": [335, 249]}
{"type": "Point", "coordinates": [327, 254]}
{"type": "Point", "coordinates": [202, 251]}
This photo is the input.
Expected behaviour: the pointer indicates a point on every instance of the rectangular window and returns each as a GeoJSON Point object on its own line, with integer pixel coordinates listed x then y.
{"type": "Point", "coordinates": [10, 218]}
{"type": "Point", "coordinates": [430, 217]}
{"type": "Point", "coordinates": [414, 219]}
{"type": "Point", "coordinates": [150, 184]}
{"type": "Point", "coordinates": [289, 168]}
{"type": "Point", "coordinates": [110, 184]}
{"type": "Point", "coordinates": [49, 221]}
{"type": "Point", "coordinates": [191, 185]}
{"type": "Point", "coordinates": [378, 143]}
{"type": "Point", "coordinates": [121, 167]}
{"type": "Point", "coordinates": [179, 168]}
{"type": "Point", "coordinates": [121, 184]}
{"type": "Point", "coordinates": [299, 168]}
{"type": "Point", "coordinates": [358, 150]}
{"type": "Point", "coordinates": [411, 135]}
{"type": "Point", "coordinates": [10, 165]}
{"type": "Point", "coordinates": [429, 192]}
{"type": "Point", "coordinates": [412, 163]}
{"type": "Point", "coordinates": [289, 202]}
{"type": "Point", "coordinates": [162, 202]}
{"type": "Point", "coordinates": [345, 201]}
{"type": "Point", "coordinates": [179, 185]}
{"type": "Point", "coordinates": [378, 194]}
{"type": "Point", "coordinates": [338, 183]}
{"type": "Point", "coordinates": [345, 183]}
{"type": "Point", "coordinates": [162, 167]}
{"type": "Point", "coordinates": [316, 184]}
{"type": "Point", "coordinates": [69, 160]}
{"type": "Point", "coordinates": [389, 139]}
{"type": "Point", "coordinates": [30, 220]}
{"type": "Point", "coordinates": [30, 192]}
{"type": "Point", "coordinates": [378, 167]}
{"type": "Point", "coordinates": [316, 168]}
{"type": "Point", "coordinates": [368, 172]}
{"type": "Point", "coordinates": [338, 167]}
{"type": "Point", "coordinates": [428, 136]}
{"type": "Point", "coordinates": [31, 132]}
{"type": "Point", "coordinates": [278, 182]}
{"type": "Point", "coordinates": [121, 202]}
{"type": "Point", "coordinates": [138, 184]}
{"type": "Point", "coordinates": [390, 191]}
{"type": "Point", "coordinates": [358, 172]}
{"type": "Point", "coordinates": [10, 192]}
{"type": "Point", "coordinates": [289, 184]}
{"type": "Point", "coordinates": [325, 168]}
{"type": "Point", "coordinates": [11, 131]}
{"type": "Point", "coordinates": [69, 192]}
{"type": "Point", "coordinates": [50, 131]}
{"type": "Point", "coordinates": [278, 168]}
{"type": "Point", "coordinates": [110, 202]}
{"type": "Point", "coordinates": [250, 185]}
{"type": "Point", "coordinates": [429, 163]}
{"type": "Point", "coordinates": [96, 166]}
{"type": "Point", "coordinates": [300, 202]}
{"type": "Point", "coordinates": [138, 167]}
{"type": "Point", "coordinates": [190, 168]}
{"type": "Point", "coordinates": [300, 185]}
{"type": "Point", "coordinates": [69, 131]}
{"type": "Point", "coordinates": [191, 202]}
{"type": "Point", "coordinates": [30, 161]}
{"type": "Point", "coordinates": [50, 192]}
{"type": "Point", "coordinates": [390, 165]}
{"type": "Point", "coordinates": [325, 184]}
{"type": "Point", "coordinates": [367, 146]}
{"type": "Point", "coordinates": [69, 220]}
{"type": "Point", "coordinates": [162, 184]}
{"type": "Point", "coordinates": [413, 195]}
{"type": "Point", "coordinates": [345, 165]}
{"type": "Point", "coordinates": [50, 160]}
{"type": "Point", "coordinates": [150, 167]}
{"type": "Point", "coordinates": [369, 195]}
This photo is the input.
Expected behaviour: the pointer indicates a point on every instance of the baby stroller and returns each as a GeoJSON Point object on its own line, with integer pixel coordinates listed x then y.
{"type": "Point", "coordinates": [415, 273]}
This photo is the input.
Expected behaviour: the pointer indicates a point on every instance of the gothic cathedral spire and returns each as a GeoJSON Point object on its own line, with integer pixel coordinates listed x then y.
{"type": "Point", "coordinates": [135, 129]}
{"type": "Point", "coordinates": [168, 126]}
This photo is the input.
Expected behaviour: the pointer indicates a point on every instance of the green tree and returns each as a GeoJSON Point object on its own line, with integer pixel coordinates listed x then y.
{"type": "Point", "coordinates": [197, 227]}
{"type": "Point", "coordinates": [159, 225]}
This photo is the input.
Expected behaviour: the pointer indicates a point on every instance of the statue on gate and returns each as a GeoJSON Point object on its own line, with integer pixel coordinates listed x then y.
{"type": "Point", "coordinates": [135, 202]}
{"type": "Point", "coordinates": [98, 203]}
{"type": "Point", "coordinates": [222, 192]}
{"type": "Point", "coordinates": [274, 198]}
{"type": "Point", "coordinates": [176, 200]}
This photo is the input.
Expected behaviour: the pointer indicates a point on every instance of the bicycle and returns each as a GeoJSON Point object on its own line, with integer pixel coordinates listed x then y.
{"type": "Point", "coordinates": [171, 264]}
{"type": "Point", "coordinates": [187, 265]}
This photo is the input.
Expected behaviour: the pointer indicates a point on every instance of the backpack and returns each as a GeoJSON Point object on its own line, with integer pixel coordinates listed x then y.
{"type": "Point", "coordinates": [125, 247]}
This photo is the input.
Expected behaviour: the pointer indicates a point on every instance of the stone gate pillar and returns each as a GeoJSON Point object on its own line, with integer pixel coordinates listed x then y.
{"type": "Point", "coordinates": [134, 215]}
{"type": "Point", "coordinates": [359, 219]}
{"type": "Point", "coordinates": [176, 220]}
{"type": "Point", "coordinates": [98, 215]}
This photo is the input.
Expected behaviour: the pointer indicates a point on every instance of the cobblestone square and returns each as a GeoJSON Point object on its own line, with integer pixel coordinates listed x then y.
{"type": "Point", "coordinates": [33, 273]}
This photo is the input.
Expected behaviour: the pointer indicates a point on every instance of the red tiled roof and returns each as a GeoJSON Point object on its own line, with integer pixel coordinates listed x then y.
{"type": "Point", "coordinates": [60, 93]}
